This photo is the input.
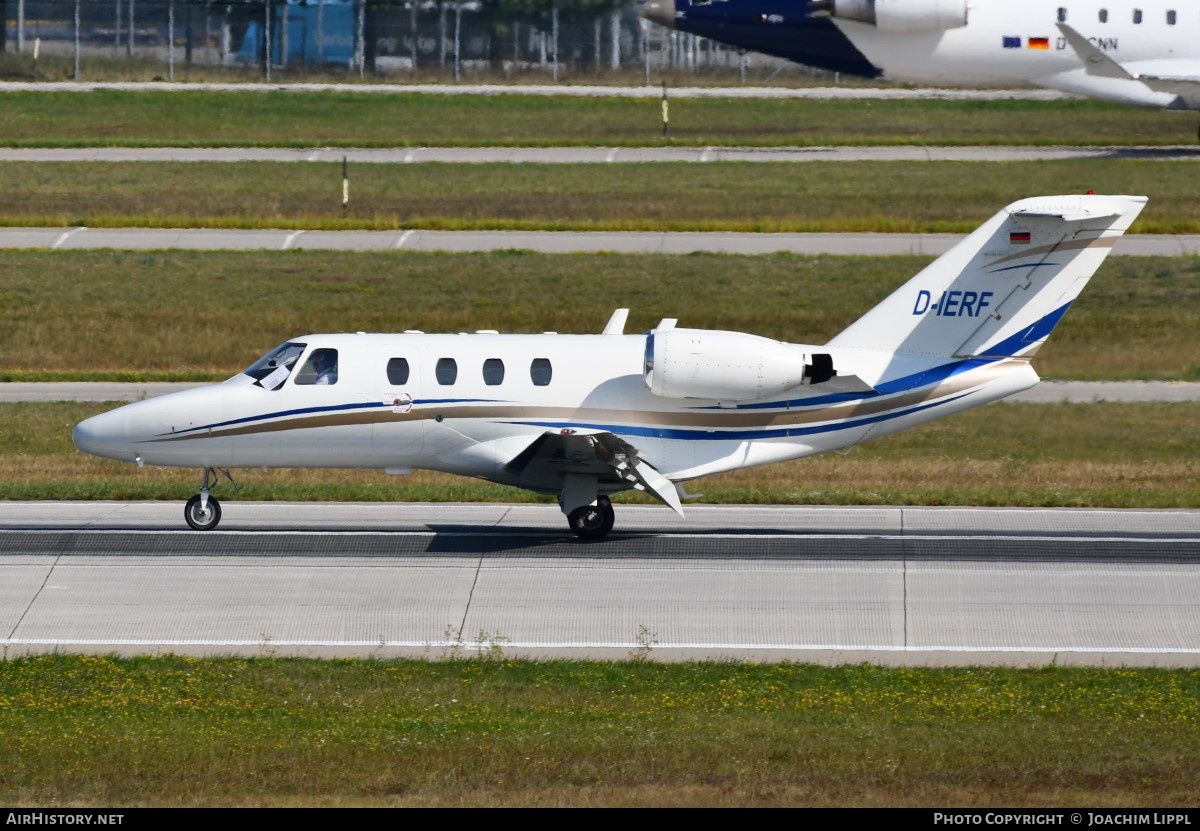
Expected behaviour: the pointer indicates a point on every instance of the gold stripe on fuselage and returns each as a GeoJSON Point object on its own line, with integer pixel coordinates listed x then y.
{"type": "Point", "coordinates": [699, 419]}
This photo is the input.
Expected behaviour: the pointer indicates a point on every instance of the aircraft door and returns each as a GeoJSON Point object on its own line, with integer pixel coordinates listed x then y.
{"type": "Point", "coordinates": [398, 431]}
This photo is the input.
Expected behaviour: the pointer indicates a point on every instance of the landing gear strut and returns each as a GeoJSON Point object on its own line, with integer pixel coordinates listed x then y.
{"type": "Point", "coordinates": [592, 522]}
{"type": "Point", "coordinates": [202, 511]}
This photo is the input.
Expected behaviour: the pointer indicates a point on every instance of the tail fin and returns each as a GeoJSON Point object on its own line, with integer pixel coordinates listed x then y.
{"type": "Point", "coordinates": [1001, 291]}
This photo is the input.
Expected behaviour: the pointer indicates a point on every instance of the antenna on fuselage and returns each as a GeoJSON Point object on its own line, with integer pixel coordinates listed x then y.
{"type": "Point", "coordinates": [616, 323]}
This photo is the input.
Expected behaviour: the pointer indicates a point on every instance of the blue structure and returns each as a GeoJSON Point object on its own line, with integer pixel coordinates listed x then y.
{"type": "Point", "coordinates": [336, 33]}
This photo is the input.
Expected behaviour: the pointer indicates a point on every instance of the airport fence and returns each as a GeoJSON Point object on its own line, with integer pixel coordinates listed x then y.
{"type": "Point", "coordinates": [273, 40]}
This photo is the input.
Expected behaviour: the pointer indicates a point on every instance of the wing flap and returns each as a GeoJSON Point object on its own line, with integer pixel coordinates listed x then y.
{"type": "Point", "coordinates": [558, 461]}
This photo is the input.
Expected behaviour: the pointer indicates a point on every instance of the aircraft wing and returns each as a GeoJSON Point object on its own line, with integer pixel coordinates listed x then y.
{"type": "Point", "coordinates": [1184, 84]}
{"type": "Point", "coordinates": [1187, 88]}
{"type": "Point", "coordinates": [617, 465]}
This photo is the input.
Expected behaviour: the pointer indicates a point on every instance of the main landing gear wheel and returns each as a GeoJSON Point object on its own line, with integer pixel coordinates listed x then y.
{"type": "Point", "coordinates": [592, 522]}
{"type": "Point", "coordinates": [202, 520]}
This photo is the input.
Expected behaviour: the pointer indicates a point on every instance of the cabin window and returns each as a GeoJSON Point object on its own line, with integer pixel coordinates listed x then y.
{"type": "Point", "coordinates": [493, 372]}
{"type": "Point", "coordinates": [320, 368]}
{"type": "Point", "coordinates": [446, 371]}
{"type": "Point", "coordinates": [397, 371]}
{"type": "Point", "coordinates": [272, 369]}
{"type": "Point", "coordinates": [1062, 15]}
{"type": "Point", "coordinates": [1137, 15]}
{"type": "Point", "coordinates": [540, 372]}
{"type": "Point", "coordinates": [1104, 15]}
{"type": "Point", "coordinates": [1171, 18]}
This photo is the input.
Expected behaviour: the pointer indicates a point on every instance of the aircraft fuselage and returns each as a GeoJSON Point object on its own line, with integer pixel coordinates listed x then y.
{"type": "Point", "coordinates": [972, 43]}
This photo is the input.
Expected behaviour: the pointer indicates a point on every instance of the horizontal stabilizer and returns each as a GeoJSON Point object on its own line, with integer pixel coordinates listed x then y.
{"type": "Point", "coordinates": [1065, 216]}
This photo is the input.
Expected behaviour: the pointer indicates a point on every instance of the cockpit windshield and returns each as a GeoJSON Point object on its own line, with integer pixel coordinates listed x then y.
{"type": "Point", "coordinates": [271, 370]}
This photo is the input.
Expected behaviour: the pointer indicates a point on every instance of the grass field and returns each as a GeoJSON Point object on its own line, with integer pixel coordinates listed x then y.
{"type": "Point", "coordinates": [825, 197]}
{"type": "Point", "coordinates": [172, 731]}
{"type": "Point", "coordinates": [349, 119]}
{"type": "Point", "coordinates": [1095, 455]}
{"type": "Point", "coordinates": [105, 315]}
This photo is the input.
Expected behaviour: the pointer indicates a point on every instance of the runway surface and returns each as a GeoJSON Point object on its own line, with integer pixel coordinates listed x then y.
{"type": "Point", "coordinates": [551, 242]}
{"type": "Point", "coordinates": [595, 155]}
{"type": "Point", "coordinates": [571, 90]}
{"type": "Point", "coordinates": [1047, 392]}
{"type": "Point", "coordinates": [894, 585]}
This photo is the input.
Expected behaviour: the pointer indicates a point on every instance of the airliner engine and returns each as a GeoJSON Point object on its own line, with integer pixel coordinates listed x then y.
{"type": "Point", "coordinates": [728, 366]}
{"type": "Point", "coordinates": [899, 15]}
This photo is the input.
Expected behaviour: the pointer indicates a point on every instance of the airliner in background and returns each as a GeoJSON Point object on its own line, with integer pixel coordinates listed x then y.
{"type": "Point", "coordinates": [582, 417]}
{"type": "Point", "coordinates": [1145, 53]}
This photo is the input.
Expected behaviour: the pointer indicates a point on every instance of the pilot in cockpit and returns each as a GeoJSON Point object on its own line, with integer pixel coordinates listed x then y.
{"type": "Point", "coordinates": [323, 365]}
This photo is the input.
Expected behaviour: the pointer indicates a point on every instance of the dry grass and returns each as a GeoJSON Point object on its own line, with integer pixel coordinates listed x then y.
{"type": "Point", "coordinates": [212, 314]}
{"type": "Point", "coordinates": [762, 197]}
{"type": "Point", "coordinates": [1099, 455]}
{"type": "Point", "coordinates": [348, 119]}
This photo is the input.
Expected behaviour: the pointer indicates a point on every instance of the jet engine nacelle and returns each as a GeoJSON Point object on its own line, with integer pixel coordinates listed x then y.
{"type": "Point", "coordinates": [899, 15]}
{"type": "Point", "coordinates": [727, 366]}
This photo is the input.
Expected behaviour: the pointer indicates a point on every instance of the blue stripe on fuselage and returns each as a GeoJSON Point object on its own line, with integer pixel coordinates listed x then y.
{"type": "Point", "coordinates": [1009, 346]}
{"type": "Point", "coordinates": [907, 383]}
{"type": "Point", "coordinates": [735, 435]}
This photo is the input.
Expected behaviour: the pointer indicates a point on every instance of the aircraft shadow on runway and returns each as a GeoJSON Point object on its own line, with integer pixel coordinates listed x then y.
{"type": "Point", "coordinates": [466, 542]}
{"type": "Point", "coordinates": [1150, 154]}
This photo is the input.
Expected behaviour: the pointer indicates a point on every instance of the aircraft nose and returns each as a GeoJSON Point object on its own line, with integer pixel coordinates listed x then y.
{"type": "Point", "coordinates": [658, 11]}
{"type": "Point", "coordinates": [103, 435]}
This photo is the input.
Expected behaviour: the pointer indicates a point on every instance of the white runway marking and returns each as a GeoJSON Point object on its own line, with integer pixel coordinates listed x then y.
{"type": "Point", "coordinates": [64, 236]}
{"type": "Point", "coordinates": [468, 646]}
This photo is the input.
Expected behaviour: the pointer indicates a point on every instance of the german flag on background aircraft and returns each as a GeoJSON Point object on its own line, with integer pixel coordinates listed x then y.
{"type": "Point", "coordinates": [1018, 238]}
{"type": "Point", "coordinates": [1039, 43]}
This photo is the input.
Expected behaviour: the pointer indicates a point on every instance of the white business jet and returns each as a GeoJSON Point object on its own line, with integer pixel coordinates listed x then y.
{"type": "Point", "coordinates": [1140, 52]}
{"type": "Point", "coordinates": [582, 417]}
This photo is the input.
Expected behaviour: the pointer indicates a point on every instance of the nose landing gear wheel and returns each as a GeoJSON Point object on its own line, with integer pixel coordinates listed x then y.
{"type": "Point", "coordinates": [592, 522]}
{"type": "Point", "coordinates": [202, 520]}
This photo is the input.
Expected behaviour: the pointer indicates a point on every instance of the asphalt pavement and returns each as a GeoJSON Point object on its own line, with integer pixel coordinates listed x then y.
{"type": "Point", "coordinates": [560, 242]}
{"type": "Point", "coordinates": [853, 93]}
{"type": "Point", "coordinates": [598, 155]}
{"type": "Point", "coordinates": [888, 584]}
